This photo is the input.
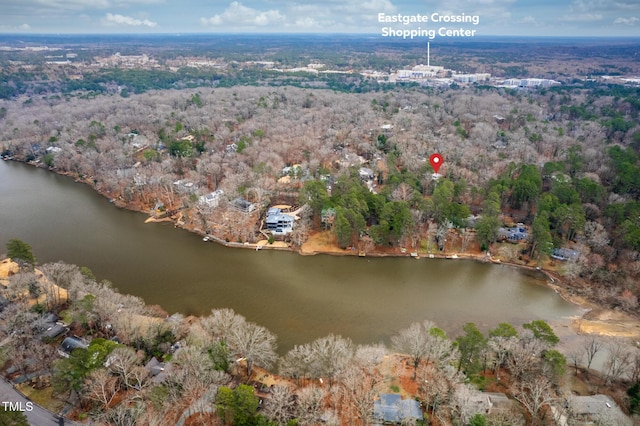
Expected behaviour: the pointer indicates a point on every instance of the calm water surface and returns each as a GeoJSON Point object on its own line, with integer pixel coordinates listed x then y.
{"type": "Point", "coordinates": [299, 298]}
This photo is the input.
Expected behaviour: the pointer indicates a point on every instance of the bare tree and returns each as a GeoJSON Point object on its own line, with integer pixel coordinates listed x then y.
{"type": "Point", "coordinates": [255, 343]}
{"type": "Point", "coordinates": [370, 355]}
{"type": "Point", "coordinates": [61, 277]}
{"type": "Point", "coordinates": [511, 416]}
{"type": "Point", "coordinates": [464, 403]}
{"type": "Point", "coordinates": [466, 238]}
{"type": "Point", "coordinates": [193, 373]}
{"type": "Point", "coordinates": [17, 319]}
{"type": "Point", "coordinates": [413, 342]}
{"type": "Point", "coordinates": [617, 362]}
{"type": "Point", "coordinates": [524, 359]}
{"type": "Point", "coordinates": [501, 347]}
{"type": "Point", "coordinates": [280, 407]}
{"type": "Point", "coordinates": [325, 357]}
{"type": "Point", "coordinates": [298, 362]}
{"type": "Point", "coordinates": [403, 192]}
{"type": "Point", "coordinates": [634, 374]}
{"type": "Point", "coordinates": [596, 235]}
{"type": "Point", "coordinates": [100, 387]}
{"type": "Point", "coordinates": [575, 356]}
{"type": "Point", "coordinates": [124, 362]}
{"type": "Point", "coordinates": [222, 322]}
{"type": "Point", "coordinates": [138, 377]}
{"type": "Point", "coordinates": [435, 388]}
{"type": "Point", "coordinates": [21, 355]}
{"type": "Point", "coordinates": [22, 285]}
{"type": "Point", "coordinates": [591, 348]}
{"type": "Point", "coordinates": [358, 386]}
{"type": "Point", "coordinates": [332, 355]}
{"type": "Point", "coordinates": [310, 405]}
{"type": "Point", "coordinates": [533, 393]}
{"type": "Point", "coordinates": [331, 418]}
{"type": "Point", "coordinates": [126, 413]}
{"type": "Point", "coordinates": [302, 226]}
{"type": "Point", "coordinates": [43, 357]}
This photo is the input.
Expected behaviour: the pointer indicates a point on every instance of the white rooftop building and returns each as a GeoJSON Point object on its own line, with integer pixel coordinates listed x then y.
{"type": "Point", "coordinates": [471, 78]}
{"type": "Point", "coordinates": [212, 199]}
{"type": "Point", "coordinates": [529, 82]}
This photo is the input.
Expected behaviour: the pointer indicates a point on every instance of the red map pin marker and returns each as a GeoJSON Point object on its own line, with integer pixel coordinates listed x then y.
{"type": "Point", "coordinates": [436, 161]}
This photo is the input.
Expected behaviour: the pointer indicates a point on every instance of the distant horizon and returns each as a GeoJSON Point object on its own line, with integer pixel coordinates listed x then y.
{"type": "Point", "coordinates": [319, 34]}
{"type": "Point", "coordinates": [556, 18]}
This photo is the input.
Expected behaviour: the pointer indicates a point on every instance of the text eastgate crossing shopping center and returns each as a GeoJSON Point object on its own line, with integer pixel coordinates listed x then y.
{"type": "Point", "coordinates": [430, 33]}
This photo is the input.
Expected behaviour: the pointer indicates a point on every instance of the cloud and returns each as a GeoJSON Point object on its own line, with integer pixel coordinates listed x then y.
{"type": "Point", "coordinates": [43, 5]}
{"type": "Point", "coordinates": [308, 23]}
{"type": "Point", "coordinates": [378, 6]}
{"type": "Point", "coordinates": [332, 5]}
{"type": "Point", "coordinates": [627, 21]}
{"type": "Point", "coordinates": [238, 15]}
{"type": "Point", "coordinates": [587, 6]}
{"type": "Point", "coordinates": [355, 9]}
{"type": "Point", "coordinates": [491, 12]}
{"type": "Point", "coordinates": [582, 17]}
{"type": "Point", "coordinates": [628, 5]}
{"type": "Point", "coordinates": [65, 4]}
{"type": "Point", "coordinates": [111, 19]}
{"type": "Point", "coordinates": [465, 5]}
{"type": "Point", "coordinates": [91, 4]}
{"type": "Point", "coordinates": [603, 6]}
{"type": "Point", "coordinates": [528, 20]}
{"type": "Point", "coordinates": [18, 28]}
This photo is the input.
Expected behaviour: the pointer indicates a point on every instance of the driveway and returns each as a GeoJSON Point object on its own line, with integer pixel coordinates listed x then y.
{"type": "Point", "coordinates": [36, 415]}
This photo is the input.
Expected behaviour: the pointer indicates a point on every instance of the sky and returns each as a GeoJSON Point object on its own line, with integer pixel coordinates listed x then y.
{"type": "Point", "coordinates": [496, 17]}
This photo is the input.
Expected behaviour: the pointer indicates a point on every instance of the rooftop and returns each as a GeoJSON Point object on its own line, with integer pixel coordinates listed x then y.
{"type": "Point", "coordinates": [391, 407]}
{"type": "Point", "coordinates": [69, 344]}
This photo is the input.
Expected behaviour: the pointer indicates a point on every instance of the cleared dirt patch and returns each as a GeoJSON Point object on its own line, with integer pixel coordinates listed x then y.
{"type": "Point", "coordinates": [322, 242]}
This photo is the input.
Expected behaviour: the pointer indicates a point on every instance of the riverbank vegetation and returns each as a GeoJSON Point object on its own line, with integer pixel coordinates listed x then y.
{"type": "Point", "coordinates": [559, 161]}
{"type": "Point", "coordinates": [136, 365]}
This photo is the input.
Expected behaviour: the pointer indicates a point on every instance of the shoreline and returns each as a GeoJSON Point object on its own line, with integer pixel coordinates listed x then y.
{"type": "Point", "coordinates": [595, 319]}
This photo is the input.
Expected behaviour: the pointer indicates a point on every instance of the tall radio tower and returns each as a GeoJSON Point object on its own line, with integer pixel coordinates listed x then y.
{"type": "Point", "coordinates": [428, 54]}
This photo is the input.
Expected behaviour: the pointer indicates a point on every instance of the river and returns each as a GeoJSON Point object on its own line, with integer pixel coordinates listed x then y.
{"type": "Point", "coordinates": [299, 298]}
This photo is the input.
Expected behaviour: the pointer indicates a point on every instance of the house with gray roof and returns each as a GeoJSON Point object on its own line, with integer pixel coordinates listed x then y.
{"type": "Point", "coordinates": [69, 344]}
{"type": "Point", "coordinates": [593, 410]}
{"type": "Point", "coordinates": [243, 205]}
{"type": "Point", "coordinates": [498, 400]}
{"type": "Point", "coordinates": [55, 330]}
{"type": "Point", "coordinates": [565, 254]}
{"type": "Point", "coordinates": [390, 408]}
{"type": "Point", "coordinates": [50, 327]}
{"type": "Point", "coordinates": [157, 370]}
{"type": "Point", "coordinates": [514, 234]}
{"type": "Point", "coordinates": [279, 223]}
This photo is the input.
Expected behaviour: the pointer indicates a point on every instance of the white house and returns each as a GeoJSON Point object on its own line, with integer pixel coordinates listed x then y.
{"type": "Point", "coordinates": [212, 199]}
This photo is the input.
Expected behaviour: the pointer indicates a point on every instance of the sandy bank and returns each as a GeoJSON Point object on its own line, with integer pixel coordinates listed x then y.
{"type": "Point", "coordinates": [7, 268]}
{"type": "Point", "coordinates": [158, 220]}
{"type": "Point", "coordinates": [49, 289]}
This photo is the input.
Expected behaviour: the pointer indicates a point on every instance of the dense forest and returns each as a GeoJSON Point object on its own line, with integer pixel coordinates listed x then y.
{"type": "Point", "coordinates": [563, 161]}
